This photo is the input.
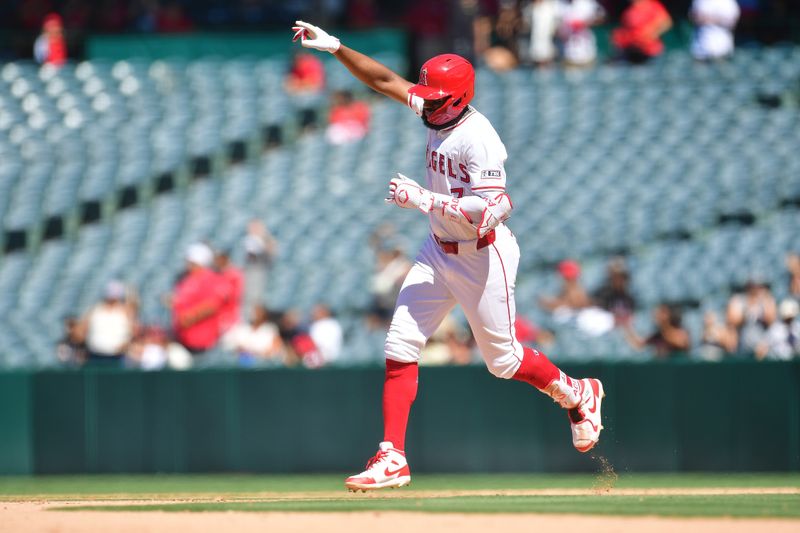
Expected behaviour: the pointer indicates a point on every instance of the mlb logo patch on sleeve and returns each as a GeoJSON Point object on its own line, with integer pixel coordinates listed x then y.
{"type": "Point", "coordinates": [491, 174]}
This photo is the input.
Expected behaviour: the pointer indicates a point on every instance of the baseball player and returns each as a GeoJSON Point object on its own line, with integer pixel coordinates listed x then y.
{"type": "Point", "coordinates": [470, 257]}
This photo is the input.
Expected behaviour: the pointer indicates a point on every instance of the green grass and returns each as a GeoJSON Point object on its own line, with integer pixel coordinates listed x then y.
{"type": "Point", "coordinates": [111, 485]}
{"type": "Point", "coordinates": [761, 505]}
{"type": "Point", "coordinates": [239, 493]}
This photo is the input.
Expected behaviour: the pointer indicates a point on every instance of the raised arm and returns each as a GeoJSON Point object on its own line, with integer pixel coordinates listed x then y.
{"type": "Point", "coordinates": [370, 72]}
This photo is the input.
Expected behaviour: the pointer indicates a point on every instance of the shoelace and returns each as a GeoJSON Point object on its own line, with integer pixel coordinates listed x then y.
{"type": "Point", "coordinates": [378, 457]}
{"type": "Point", "coordinates": [557, 396]}
{"type": "Point", "coordinates": [561, 398]}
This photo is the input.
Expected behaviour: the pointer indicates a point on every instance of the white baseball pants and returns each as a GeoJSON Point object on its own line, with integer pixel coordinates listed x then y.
{"type": "Point", "coordinates": [481, 281]}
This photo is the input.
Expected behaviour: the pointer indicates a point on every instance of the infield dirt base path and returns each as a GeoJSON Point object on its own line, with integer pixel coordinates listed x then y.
{"type": "Point", "coordinates": [36, 516]}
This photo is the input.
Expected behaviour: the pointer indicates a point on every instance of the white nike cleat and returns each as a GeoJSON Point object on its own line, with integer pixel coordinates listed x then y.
{"type": "Point", "coordinates": [585, 418]}
{"type": "Point", "coordinates": [388, 469]}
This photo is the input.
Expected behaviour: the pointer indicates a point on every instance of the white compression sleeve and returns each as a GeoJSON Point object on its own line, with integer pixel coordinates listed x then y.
{"type": "Point", "coordinates": [482, 213]}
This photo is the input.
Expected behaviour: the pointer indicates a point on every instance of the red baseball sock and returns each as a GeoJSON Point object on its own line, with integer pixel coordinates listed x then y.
{"type": "Point", "coordinates": [399, 392]}
{"type": "Point", "coordinates": [537, 370]}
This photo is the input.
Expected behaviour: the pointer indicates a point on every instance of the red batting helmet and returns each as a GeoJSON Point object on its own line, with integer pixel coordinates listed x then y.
{"type": "Point", "coordinates": [449, 77]}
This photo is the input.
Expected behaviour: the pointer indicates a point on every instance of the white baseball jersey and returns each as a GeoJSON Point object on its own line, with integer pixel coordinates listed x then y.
{"type": "Point", "coordinates": [464, 160]}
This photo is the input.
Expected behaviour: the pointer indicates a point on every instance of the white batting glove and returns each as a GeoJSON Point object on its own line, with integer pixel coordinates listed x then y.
{"type": "Point", "coordinates": [408, 194]}
{"type": "Point", "coordinates": [314, 37]}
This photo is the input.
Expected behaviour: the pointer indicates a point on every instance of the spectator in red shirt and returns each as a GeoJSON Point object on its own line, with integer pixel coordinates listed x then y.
{"type": "Point", "coordinates": [305, 82]}
{"type": "Point", "coordinates": [530, 334]}
{"type": "Point", "coordinates": [306, 74]}
{"type": "Point", "coordinates": [349, 119]}
{"type": "Point", "coordinates": [50, 47]}
{"type": "Point", "coordinates": [233, 276]}
{"type": "Point", "coordinates": [198, 300]}
{"type": "Point", "coordinates": [639, 38]}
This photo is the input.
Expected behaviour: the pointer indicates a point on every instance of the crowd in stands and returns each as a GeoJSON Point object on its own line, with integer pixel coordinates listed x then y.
{"type": "Point", "coordinates": [541, 32]}
{"type": "Point", "coordinates": [503, 34]}
{"type": "Point", "coordinates": [218, 306]}
{"type": "Point", "coordinates": [206, 308]}
{"type": "Point", "coordinates": [348, 117]}
{"type": "Point", "coordinates": [499, 33]}
{"type": "Point", "coordinates": [753, 324]}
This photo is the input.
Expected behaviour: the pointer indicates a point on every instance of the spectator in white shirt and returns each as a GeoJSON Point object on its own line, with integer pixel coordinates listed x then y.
{"type": "Point", "coordinates": [326, 332]}
{"type": "Point", "coordinates": [575, 31]}
{"type": "Point", "coordinates": [110, 325]}
{"type": "Point", "coordinates": [715, 21]}
{"type": "Point", "coordinates": [542, 16]}
{"type": "Point", "coordinates": [782, 340]}
{"type": "Point", "coordinates": [254, 340]}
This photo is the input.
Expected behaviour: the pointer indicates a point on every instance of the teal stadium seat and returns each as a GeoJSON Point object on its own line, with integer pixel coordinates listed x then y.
{"type": "Point", "coordinates": [613, 159]}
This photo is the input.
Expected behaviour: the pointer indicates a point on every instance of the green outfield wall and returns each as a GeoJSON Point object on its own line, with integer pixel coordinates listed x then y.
{"type": "Point", "coordinates": [738, 416]}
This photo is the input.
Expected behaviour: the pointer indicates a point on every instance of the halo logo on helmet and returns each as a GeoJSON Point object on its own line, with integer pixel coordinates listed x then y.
{"type": "Point", "coordinates": [449, 78]}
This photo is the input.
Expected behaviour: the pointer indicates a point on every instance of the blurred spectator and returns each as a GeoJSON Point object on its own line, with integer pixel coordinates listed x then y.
{"type": "Point", "coordinates": [793, 269]}
{"type": "Point", "coordinates": [198, 300]}
{"type": "Point", "coordinates": [463, 19]}
{"type": "Point", "coordinates": [575, 31]}
{"type": "Point", "coordinates": [750, 314]}
{"type": "Point", "coordinates": [260, 248]}
{"type": "Point", "coordinates": [170, 18]}
{"type": "Point", "coordinates": [670, 337]}
{"type": "Point", "coordinates": [71, 349]}
{"type": "Point", "coordinates": [391, 269]}
{"type": "Point", "coordinates": [349, 119]}
{"type": "Point", "coordinates": [715, 21]}
{"type": "Point", "coordinates": [110, 325]}
{"type": "Point", "coordinates": [300, 347]}
{"type": "Point", "coordinates": [362, 14]}
{"type": "Point", "coordinates": [50, 47]}
{"type": "Point", "coordinates": [718, 338]}
{"type": "Point", "coordinates": [327, 335]}
{"type": "Point", "coordinates": [253, 12]}
{"type": "Point", "coordinates": [233, 276]}
{"type": "Point", "coordinates": [638, 39]}
{"type": "Point", "coordinates": [77, 14]}
{"type": "Point", "coordinates": [258, 339]}
{"type": "Point", "coordinates": [782, 340]}
{"type": "Point", "coordinates": [573, 304]}
{"type": "Point", "coordinates": [150, 350]}
{"type": "Point", "coordinates": [450, 344]}
{"type": "Point", "coordinates": [541, 17]}
{"type": "Point", "coordinates": [145, 15]}
{"type": "Point", "coordinates": [498, 41]}
{"type": "Point", "coordinates": [112, 16]}
{"type": "Point", "coordinates": [305, 81]}
{"type": "Point", "coordinates": [459, 343]}
{"type": "Point", "coordinates": [571, 298]}
{"type": "Point", "coordinates": [530, 334]}
{"type": "Point", "coordinates": [427, 22]}
{"type": "Point", "coordinates": [615, 295]}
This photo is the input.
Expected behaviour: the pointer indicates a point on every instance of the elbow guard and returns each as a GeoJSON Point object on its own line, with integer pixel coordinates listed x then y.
{"type": "Point", "coordinates": [497, 211]}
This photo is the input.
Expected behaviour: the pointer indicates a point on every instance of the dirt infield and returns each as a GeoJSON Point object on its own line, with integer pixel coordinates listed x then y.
{"type": "Point", "coordinates": [37, 516]}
